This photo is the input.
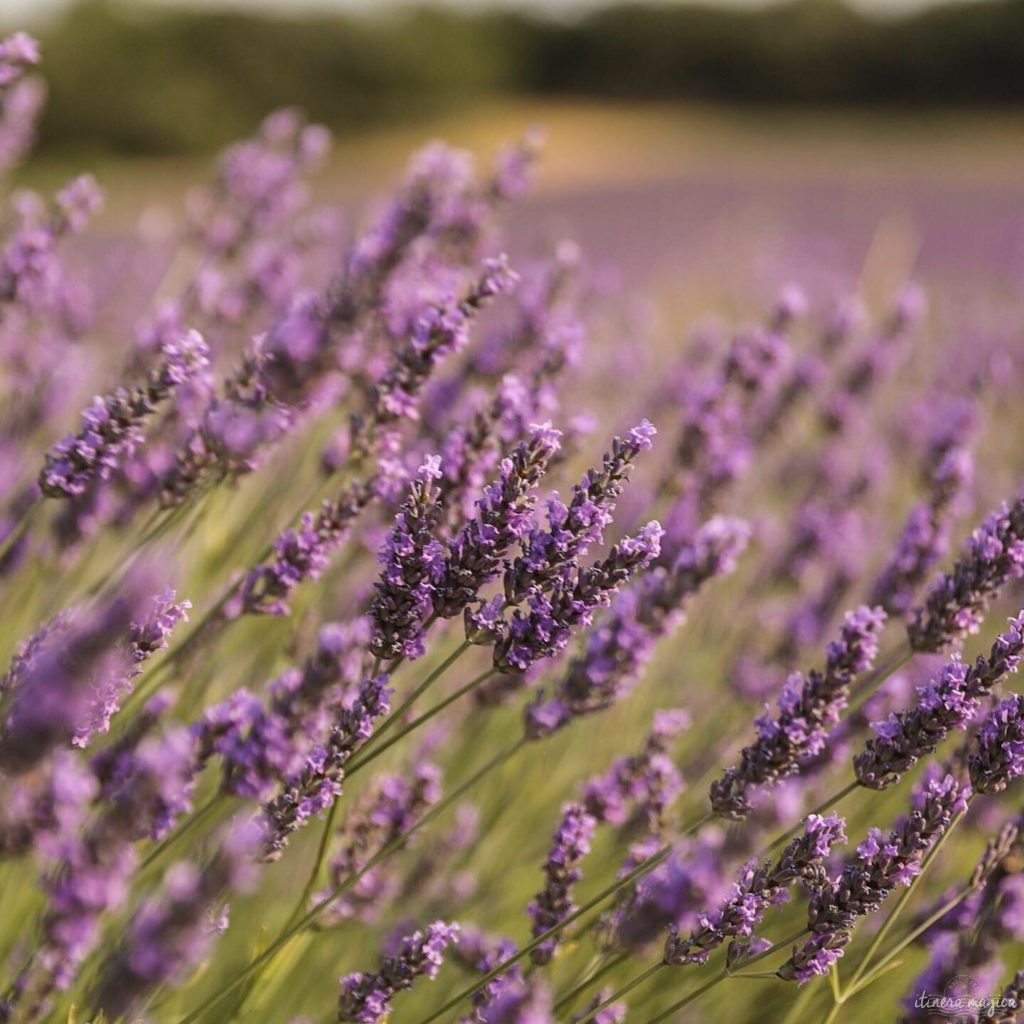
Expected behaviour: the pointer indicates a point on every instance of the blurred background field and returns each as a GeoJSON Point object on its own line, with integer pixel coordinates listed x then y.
{"type": "Point", "coordinates": [680, 137]}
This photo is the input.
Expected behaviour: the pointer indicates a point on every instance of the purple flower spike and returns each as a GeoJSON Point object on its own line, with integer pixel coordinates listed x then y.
{"type": "Point", "coordinates": [867, 879]}
{"type": "Point", "coordinates": [112, 426]}
{"type": "Point", "coordinates": [554, 903]}
{"type": "Point", "coordinates": [949, 701]}
{"type": "Point", "coordinates": [301, 554]}
{"type": "Point", "coordinates": [315, 788]}
{"type": "Point", "coordinates": [807, 710]}
{"type": "Point", "coordinates": [546, 628]}
{"type": "Point", "coordinates": [956, 604]}
{"type": "Point", "coordinates": [411, 560]}
{"type": "Point", "coordinates": [573, 528]}
{"type": "Point", "coordinates": [758, 889]}
{"type": "Point", "coordinates": [366, 998]}
{"type": "Point", "coordinates": [504, 516]}
{"type": "Point", "coordinates": [619, 648]}
{"type": "Point", "coordinates": [998, 758]}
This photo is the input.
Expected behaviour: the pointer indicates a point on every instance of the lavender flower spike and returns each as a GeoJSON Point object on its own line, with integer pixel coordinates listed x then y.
{"type": "Point", "coordinates": [573, 528]}
{"type": "Point", "coordinates": [54, 695]}
{"type": "Point", "coordinates": [411, 559]}
{"type": "Point", "coordinates": [544, 630]}
{"type": "Point", "coordinates": [474, 556]}
{"type": "Point", "coordinates": [867, 879]}
{"type": "Point", "coordinates": [112, 426]}
{"type": "Point", "coordinates": [171, 933]}
{"type": "Point", "coordinates": [554, 903]}
{"type": "Point", "coordinates": [316, 787]}
{"type": "Point", "coordinates": [758, 889]}
{"type": "Point", "coordinates": [808, 708]}
{"type": "Point", "coordinates": [618, 649]}
{"type": "Point", "coordinates": [366, 998]}
{"type": "Point", "coordinates": [998, 758]}
{"type": "Point", "coordinates": [955, 606]}
{"type": "Point", "coordinates": [950, 701]}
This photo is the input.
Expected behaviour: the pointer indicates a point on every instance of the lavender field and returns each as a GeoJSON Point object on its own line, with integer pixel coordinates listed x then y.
{"type": "Point", "coordinates": [565, 575]}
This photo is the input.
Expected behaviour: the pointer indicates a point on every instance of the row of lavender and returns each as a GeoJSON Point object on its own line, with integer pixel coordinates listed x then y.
{"type": "Point", "coordinates": [341, 450]}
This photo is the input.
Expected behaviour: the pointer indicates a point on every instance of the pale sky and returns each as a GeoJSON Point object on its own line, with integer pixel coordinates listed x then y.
{"type": "Point", "coordinates": [30, 10]}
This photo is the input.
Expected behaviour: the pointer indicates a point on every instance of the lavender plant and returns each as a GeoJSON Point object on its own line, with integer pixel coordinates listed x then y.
{"type": "Point", "coordinates": [418, 729]}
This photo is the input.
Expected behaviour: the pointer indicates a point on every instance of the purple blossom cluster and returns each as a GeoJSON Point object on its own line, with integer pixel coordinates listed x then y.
{"type": "Point", "coordinates": [758, 888]}
{"type": "Point", "coordinates": [956, 603]}
{"type": "Point", "coordinates": [807, 710]}
{"type": "Point", "coordinates": [949, 701]}
{"type": "Point", "coordinates": [112, 426]}
{"type": "Point", "coordinates": [562, 871]}
{"type": "Point", "coordinates": [366, 998]}
{"type": "Point", "coordinates": [867, 879]}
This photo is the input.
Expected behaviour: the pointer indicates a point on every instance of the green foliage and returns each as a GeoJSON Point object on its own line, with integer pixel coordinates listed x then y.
{"type": "Point", "coordinates": [168, 80]}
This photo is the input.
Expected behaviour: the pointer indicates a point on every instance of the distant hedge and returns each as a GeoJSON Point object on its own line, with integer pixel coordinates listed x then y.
{"type": "Point", "coordinates": [168, 80]}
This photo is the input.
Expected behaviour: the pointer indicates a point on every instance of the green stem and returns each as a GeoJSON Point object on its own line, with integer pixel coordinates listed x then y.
{"type": "Point", "coordinates": [19, 528]}
{"type": "Point", "coordinates": [905, 896]}
{"type": "Point", "coordinates": [421, 689]}
{"type": "Point", "coordinates": [376, 751]}
{"type": "Point", "coordinates": [624, 990]}
{"type": "Point", "coordinates": [593, 974]}
{"type": "Point", "coordinates": [908, 939]}
{"type": "Point", "coordinates": [721, 976]}
{"type": "Point", "coordinates": [321, 856]}
{"type": "Point", "coordinates": [642, 869]}
{"type": "Point", "coordinates": [289, 932]}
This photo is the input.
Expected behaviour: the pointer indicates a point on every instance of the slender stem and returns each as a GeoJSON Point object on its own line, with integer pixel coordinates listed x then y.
{"type": "Point", "coordinates": [18, 529]}
{"type": "Point", "coordinates": [642, 869]}
{"type": "Point", "coordinates": [624, 990]}
{"type": "Point", "coordinates": [321, 856]}
{"type": "Point", "coordinates": [905, 896]}
{"type": "Point", "coordinates": [599, 971]}
{"type": "Point", "coordinates": [290, 931]}
{"type": "Point", "coordinates": [820, 809]}
{"type": "Point", "coordinates": [721, 976]}
{"type": "Point", "coordinates": [908, 939]}
{"type": "Point", "coordinates": [162, 847]}
{"type": "Point", "coordinates": [376, 751]}
{"type": "Point", "coordinates": [421, 689]}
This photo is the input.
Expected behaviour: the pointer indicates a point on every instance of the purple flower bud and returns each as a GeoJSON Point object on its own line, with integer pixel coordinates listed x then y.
{"type": "Point", "coordinates": [618, 649]}
{"type": "Point", "coordinates": [758, 889]}
{"type": "Point", "coordinates": [807, 710]}
{"type": "Point", "coordinates": [562, 870]}
{"type": "Point", "coordinates": [573, 528]}
{"type": "Point", "coordinates": [998, 757]}
{"type": "Point", "coordinates": [544, 630]}
{"type": "Point", "coordinates": [314, 789]}
{"type": "Point", "coordinates": [504, 516]}
{"type": "Point", "coordinates": [868, 878]}
{"type": "Point", "coordinates": [949, 701]}
{"type": "Point", "coordinates": [411, 559]}
{"type": "Point", "coordinates": [112, 426]}
{"type": "Point", "coordinates": [956, 604]}
{"type": "Point", "coordinates": [366, 998]}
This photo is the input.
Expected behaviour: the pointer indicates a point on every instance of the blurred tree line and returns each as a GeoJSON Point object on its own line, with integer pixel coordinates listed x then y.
{"type": "Point", "coordinates": [157, 80]}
